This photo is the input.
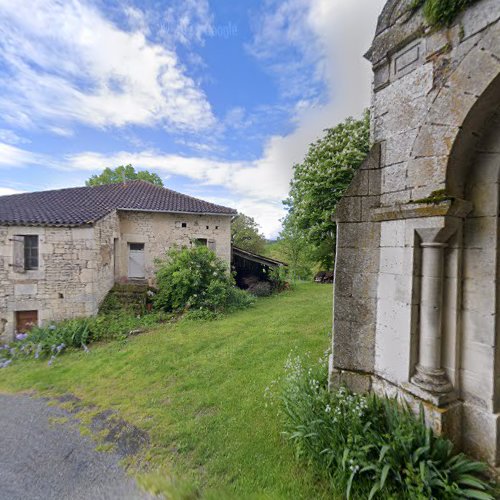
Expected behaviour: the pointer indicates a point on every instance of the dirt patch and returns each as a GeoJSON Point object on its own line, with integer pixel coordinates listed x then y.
{"type": "Point", "coordinates": [127, 438]}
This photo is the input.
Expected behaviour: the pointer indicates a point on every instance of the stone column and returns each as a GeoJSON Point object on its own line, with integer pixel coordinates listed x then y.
{"type": "Point", "coordinates": [430, 376]}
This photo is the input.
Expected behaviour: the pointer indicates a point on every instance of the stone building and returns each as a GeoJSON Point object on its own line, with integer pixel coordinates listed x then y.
{"type": "Point", "coordinates": [62, 251]}
{"type": "Point", "coordinates": [417, 271]}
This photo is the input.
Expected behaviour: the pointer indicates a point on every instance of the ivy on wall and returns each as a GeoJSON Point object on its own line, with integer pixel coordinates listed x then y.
{"type": "Point", "coordinates": [442, 12]}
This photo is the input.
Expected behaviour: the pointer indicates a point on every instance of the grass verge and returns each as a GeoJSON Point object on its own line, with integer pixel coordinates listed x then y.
{"type": "Point", "coordinates": [197, 389]}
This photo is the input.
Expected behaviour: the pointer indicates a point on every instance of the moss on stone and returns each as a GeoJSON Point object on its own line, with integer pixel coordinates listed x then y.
{"type": "Point", "coordinates": [435, 198]}
{"type": "Point", "coordinates": [441, 12]}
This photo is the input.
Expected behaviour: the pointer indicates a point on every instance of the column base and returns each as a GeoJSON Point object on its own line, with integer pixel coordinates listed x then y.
{"type": "Point", "coordinates": [432, 385]}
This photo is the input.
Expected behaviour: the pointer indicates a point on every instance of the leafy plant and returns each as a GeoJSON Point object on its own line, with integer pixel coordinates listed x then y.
{"type": "Point", "coordinates": [195, 278]}
{"type": "Point", "coordinates": [51, 340]}
{"type": "Point", "coordinates": [441, 12]}
{"type": "Point", "coordinates": [245, 234]}
{"type": "Point", "coordinates": [320, 181]}
{"type": "Point", "coordinates": [372, 446]}
{"type": "Point", "coordinates": [279, 278]}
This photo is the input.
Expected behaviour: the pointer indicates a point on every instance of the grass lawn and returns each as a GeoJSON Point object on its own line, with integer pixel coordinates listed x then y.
{"type": "Point", "coordinates": [197, 388]}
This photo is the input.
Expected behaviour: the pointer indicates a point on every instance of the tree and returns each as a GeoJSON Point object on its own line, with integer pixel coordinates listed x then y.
{"type": "Point", "coordinates": [296, 251]}
{"type": "Point", "coordinates": [121, 173]}
{"type": "Point", "coordinates": [320, 181]}
{"type": "Point", "coordinates": [245, 234]}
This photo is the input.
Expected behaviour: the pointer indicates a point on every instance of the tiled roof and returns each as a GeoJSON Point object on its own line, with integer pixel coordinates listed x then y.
{"type": "Point", "coordinates": [86, 205]}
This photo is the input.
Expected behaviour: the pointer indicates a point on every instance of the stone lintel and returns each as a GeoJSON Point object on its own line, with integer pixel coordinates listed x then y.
{"type": "Point", "coordinates": [451, 208]}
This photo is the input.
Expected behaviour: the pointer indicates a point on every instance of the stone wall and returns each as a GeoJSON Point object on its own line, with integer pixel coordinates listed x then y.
{"type": "Point", "coordinates": [160, 231]}
{"type": "Point", "coordinates": [77, 266]}
{"type": "Point", "coordinates": [416, 289]}
{"type": "Point", "coordinates": [62, 287]}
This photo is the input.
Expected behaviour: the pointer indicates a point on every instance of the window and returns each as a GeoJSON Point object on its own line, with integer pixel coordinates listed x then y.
{"type": "Point", "coordinates": [184, 224]}
{"type": "Point", "coordinates": [200, 242]}
{"type": "Point", "coordinates": [30, 252]}
{"type": "Point", "coordinates": [25, 253]}
{"type": "Point", "coordinates": [137, 247]}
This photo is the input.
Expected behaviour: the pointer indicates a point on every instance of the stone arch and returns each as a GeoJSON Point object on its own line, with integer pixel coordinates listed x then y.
{"type": "Point", "coordinates": [459, 105]}
{"type": "Point", "coordinates": [475, 127]}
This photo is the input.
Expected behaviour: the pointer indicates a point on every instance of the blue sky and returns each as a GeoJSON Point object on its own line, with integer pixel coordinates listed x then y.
{"type": "Point", "coordinates": [219, 97]}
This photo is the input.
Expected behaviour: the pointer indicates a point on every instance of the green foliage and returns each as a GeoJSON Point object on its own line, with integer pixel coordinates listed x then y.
{"type": "Point", "coordinates": [442, 12]}
{"type": "Point", "coordinates": [298, 252]}
{"type": "Point", "coordinates": [245, 234]}
{"type": "Point", "coordinates": [320, 181]}
{"type": "Point", "coordinates": [371, 446]}
{"type": "Point", "coordinates": [118, 174]}
{"type": "Point", "coordinates": [44, 341]}
{"type": "Point", "coordinates": [279, 278]}
{"type": "Point", "coordinates": [195, 278]}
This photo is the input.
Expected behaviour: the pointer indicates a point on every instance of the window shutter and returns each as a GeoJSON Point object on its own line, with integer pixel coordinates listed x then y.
{"type": "Point", "coordinates": [18, 260]}
{"type": "Point", "coordinates": [211, 245]}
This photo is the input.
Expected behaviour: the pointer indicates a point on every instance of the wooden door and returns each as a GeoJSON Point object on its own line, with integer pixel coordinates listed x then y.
{"type": "Point", "coordinates": [26, 320]}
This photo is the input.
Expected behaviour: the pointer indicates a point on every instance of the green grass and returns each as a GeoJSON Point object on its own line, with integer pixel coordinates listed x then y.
{"type": "Point", "coordinates": [197, 388]}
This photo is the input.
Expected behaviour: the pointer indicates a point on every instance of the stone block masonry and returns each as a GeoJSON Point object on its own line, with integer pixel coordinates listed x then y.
{"type": "Point", "coordinates": [417, 267]}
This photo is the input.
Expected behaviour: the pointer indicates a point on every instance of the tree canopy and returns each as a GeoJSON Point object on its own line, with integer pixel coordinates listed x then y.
{"type": "Point", "coordinates": [320, 181]}
{"type": "Point", "coordinates": [121, 173]}
{"type": "Point", "coordinates": [245, 234]}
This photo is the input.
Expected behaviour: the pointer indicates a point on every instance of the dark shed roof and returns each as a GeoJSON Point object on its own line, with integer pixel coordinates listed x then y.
{"type": "Point", "coordinates": [255, 257]}
{"type": "Point", "coordinates": [86, 205]}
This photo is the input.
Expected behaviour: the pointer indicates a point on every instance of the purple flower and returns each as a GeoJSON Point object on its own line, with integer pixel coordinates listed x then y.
{"type": "Point", "coordinates": [21, 336]}
{"type": "Point", "coordinates": [51, 360]}
{"type": "Point", "coordinates": [4, 364]}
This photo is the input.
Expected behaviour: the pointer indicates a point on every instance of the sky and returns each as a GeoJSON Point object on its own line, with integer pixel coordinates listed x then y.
{"type": "Point", "coordinates": [219, 97]}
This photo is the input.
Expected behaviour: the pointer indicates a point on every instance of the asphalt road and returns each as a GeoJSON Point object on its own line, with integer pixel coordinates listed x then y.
{"type": "Point", "coordinates": [40, 459]}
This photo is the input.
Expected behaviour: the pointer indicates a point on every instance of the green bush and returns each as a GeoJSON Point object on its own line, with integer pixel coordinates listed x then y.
{"type": "Point", "coordinates": [371, 446]}
{"type": "Point", "coordinates": [195, 278]}
{"type": "Point", "coordinates": [442, 12]}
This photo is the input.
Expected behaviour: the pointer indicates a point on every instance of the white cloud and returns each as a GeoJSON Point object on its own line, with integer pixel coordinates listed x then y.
{"type": "Point", "coordinates": [68, 63]}
{"type": "Point", "coordinates": [12, 156]}
{"type": "Point", "coordinates": [256, 188]}
{"type": "Point", "coordinates": [8, 191]}
{"type": "Point", "coordinates": [333, 35]}
{"type": "Point", "coordinates": [330, 34]}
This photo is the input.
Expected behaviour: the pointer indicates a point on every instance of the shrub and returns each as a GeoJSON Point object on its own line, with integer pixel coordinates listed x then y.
{"type": "Point", "coordinates": [279, 278]}
{"type": "Point", "coordinates": [372, 446]}
{"type": "Point", "coordinates": [195, 278]}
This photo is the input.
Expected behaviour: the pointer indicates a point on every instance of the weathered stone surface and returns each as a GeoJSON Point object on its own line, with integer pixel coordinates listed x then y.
{"type": "Point", "coordinates": [422, 290]}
